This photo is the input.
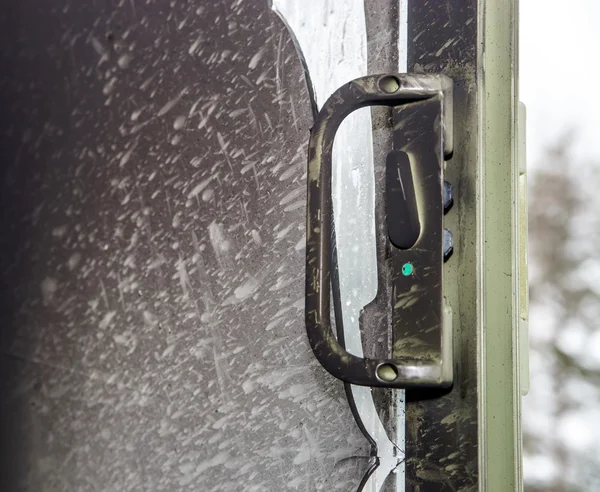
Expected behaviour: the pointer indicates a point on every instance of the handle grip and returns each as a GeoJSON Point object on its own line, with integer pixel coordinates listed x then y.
{"type": "Point", "coordinates": [433, 369]}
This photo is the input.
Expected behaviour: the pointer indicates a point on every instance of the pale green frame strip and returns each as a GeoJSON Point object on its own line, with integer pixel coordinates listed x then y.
{"type": "Point", "coordinates": [500, 401]}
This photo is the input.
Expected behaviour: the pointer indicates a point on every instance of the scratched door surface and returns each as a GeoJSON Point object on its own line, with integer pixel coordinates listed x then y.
{"type": "Point", "coordinates": [152, 237]}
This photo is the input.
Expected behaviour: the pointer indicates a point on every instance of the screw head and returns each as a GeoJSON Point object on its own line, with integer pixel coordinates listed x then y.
{"type": "Point", "coordinates": [389, 84]}
{"type": "Point", "coordinates": [387, 372]}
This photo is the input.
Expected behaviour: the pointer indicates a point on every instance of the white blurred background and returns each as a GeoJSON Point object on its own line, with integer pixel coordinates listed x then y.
{"type": "Point", "coordinates": [559, 72]}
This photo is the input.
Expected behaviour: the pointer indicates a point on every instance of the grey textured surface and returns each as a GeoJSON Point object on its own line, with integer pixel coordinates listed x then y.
{"type": "Point", "coordinates": [152, 237]}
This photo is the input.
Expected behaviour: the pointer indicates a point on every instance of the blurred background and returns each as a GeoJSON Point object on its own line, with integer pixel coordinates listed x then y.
{"type": "Point", "coordinates": [559, 42]}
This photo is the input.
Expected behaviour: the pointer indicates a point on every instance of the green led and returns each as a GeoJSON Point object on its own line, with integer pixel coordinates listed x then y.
{"type": "Point", "coordinates": [407, 269]}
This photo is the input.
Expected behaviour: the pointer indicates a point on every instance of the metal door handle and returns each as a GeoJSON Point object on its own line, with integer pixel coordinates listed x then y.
{"type": "Point", "coordinates": [418, 243]}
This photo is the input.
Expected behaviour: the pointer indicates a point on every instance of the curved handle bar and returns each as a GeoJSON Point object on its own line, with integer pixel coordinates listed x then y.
{"type": "Point", "coordinates": [377, 90]}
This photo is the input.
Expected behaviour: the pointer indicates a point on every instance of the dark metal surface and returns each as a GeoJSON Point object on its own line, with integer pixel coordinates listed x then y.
{"type": "Point", "coordinates": [417, 299]}
{"type": "Point", "coordinates": [441, 433]}
{"type": "Point", "coordinates": [404, 224]}
{"type": "Point", "coordinates": [427, 363]}
{"type": "Point", "coordinates": [152, 234]}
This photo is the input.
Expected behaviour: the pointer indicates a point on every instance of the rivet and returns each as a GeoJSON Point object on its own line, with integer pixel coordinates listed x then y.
{"type": "Point", "coordinates": [389, 84]}
{"type": "Point", "coordinates": [387, 372]}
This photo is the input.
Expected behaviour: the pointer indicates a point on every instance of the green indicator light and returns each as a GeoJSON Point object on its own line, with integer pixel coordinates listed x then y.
{"type": "Point", "coordinates": [407, 269]}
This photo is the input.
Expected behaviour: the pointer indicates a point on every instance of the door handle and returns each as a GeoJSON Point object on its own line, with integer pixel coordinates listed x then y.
{"type": "Point", "coordinates": [418, 245]}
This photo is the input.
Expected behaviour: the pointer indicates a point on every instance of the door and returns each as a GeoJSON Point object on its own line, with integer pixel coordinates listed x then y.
{"type": "Point", "coordinates": [154, 198]}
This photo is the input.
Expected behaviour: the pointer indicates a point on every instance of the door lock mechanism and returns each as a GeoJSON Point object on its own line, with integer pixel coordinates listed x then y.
{"type": "Point", "coordinates": [417, 246]}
